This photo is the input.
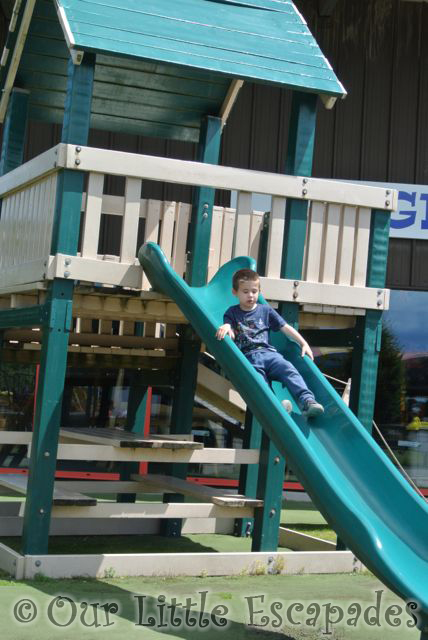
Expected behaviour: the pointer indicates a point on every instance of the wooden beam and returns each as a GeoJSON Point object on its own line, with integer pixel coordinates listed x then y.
{"type": "Point", "coordinates": [112, 454]}
{"type": "Point", "coordinates": [230, 99]}
{"type": "Point", "coordinates": [216, 176]}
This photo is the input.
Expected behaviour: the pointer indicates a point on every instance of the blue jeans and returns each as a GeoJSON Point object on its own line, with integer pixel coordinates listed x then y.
{"type": "Point", "coordinates": [273, 366]}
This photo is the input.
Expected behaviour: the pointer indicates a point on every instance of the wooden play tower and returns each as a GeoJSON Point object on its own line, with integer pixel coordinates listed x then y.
{"type": "Point", "coordinates": [166, 69]}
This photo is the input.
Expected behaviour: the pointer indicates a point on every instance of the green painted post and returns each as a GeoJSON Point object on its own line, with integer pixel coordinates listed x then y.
{"type": "Point", "coordinates": [59, 312]}
{"type": "Point", "coordinates": [135, 419]}
{"type": "Point", "coordinates": [248, 472]}
{"type": "Point", "coordinates": [182, 414]}
{"type": "Point", "coordinates": [269, 488]}
{"type": "Point", "coordinates": [368, 328]}
{"type": "Point", "coordinates": [14, 130]}
{"type": "Point", "coordinates": [298, 162]}
{"type": "Point", "coordinates": [203, 202]}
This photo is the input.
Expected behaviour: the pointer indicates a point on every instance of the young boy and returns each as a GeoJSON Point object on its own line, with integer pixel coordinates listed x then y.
{"type": "Point", "coordinates": [248, 323]}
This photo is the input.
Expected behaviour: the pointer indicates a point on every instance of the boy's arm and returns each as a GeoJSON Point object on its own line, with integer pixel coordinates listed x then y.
{"type": "Point", "coordinates": [290, 332]}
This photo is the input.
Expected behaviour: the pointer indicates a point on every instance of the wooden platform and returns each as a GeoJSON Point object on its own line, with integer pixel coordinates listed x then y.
{"type": "Point", "coordinates": [61, 497]}
{"type": "Point", "coordinates": [125, 439]}
{"type": "Point", "coordinates": [168, 484]}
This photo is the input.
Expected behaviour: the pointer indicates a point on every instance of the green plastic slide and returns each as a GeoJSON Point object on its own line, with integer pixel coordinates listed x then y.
{"type": "Point", "coordinates": [351, 481]}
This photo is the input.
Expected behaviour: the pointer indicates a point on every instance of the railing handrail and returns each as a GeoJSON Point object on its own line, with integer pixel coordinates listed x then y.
{"type": "Point", "coordinates": [132, 165]}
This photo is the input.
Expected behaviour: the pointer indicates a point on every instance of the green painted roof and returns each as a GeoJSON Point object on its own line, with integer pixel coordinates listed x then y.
{"type": "Point", "coordinates": [262, 40]}
{"type": "Point", "coordinates": [163, 64]}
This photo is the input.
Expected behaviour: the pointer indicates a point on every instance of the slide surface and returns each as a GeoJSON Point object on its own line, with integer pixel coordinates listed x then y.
{"type": "Point", "coordinates": [351, 481]}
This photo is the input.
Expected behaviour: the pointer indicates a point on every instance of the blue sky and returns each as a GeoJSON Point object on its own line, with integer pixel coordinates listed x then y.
{"type": "Point", "coordinates": [407, 317]}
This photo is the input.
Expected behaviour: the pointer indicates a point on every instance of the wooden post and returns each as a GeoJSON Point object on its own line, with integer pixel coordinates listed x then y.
{"type": "Point", "coordinates": [59, 308]}
{"type": "Point", "coordinates": [269, 488]}
{"type": "Point", "coordinates": [248, 473]}
{"type": "Point", "coordinates": [368, 330]}
{"type": "Point", "coordinates": [298, 162]}
{"type": "Point", "coordinates": [138, 404]}
{"type": "Point", "coordinates": [203, 202]}
{"type": "Point", "coordinates": [182, 414]}
{"type": "Point", "coordinates": [14, 130]}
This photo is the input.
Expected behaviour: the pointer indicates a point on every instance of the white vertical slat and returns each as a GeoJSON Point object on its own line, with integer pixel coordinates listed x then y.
{"type": "Point", "coordinates": [151, 231]}
{"type": "Point", "coordinates": [315, 241]}
{"type": "Point", "coordinates": [229, 218]}
{"type": "Point", "coordinates": [361, 248]}
{"type": "Point", "coordinates": [346, 246]}
{"type": "Point", "coordinates": [275, 238]}
{"type": "Point", "coordinates": [242, 226]}
{"type": "Point", "coordinates": [255, 234]}
{"type": "Point", "coordinates": [131, 216]}
{"type": "Point", "coordinates": [331, 244]}
{"type": "Point", "coordinates": [92, 216]}
{"type": "Point", "coordinates": [51, 191]}
{"type": "Point", "coordinates": [45, 228]}
{"type": "Point", "coordinates": [38, 244]}
{"type": "Point", "coordinates": [153, 213]}
{"type": "Point", "coordinates": [167, 229]}
{"type": "Point", "coordinates": [33, 212]}
{"type": "Point", "coordinates": [182, 214]}
{"type": "Point", "coordinates": [215, 241]}
{"type": "Point", "coordinates": [126, 328]}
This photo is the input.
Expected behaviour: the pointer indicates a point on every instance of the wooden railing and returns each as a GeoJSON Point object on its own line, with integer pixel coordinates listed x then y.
{"type": "Point", "coordinates": [338, 230]}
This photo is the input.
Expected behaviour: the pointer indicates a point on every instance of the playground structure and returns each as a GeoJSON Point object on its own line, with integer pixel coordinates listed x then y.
{"type": "Point", "coordinates": [322, 249]}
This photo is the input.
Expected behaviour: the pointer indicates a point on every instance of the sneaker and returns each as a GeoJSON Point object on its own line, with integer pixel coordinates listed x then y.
{"type": "Point", "coordinates": [287, 405]}
{"type": "Point", "coordinates": [312, 409]}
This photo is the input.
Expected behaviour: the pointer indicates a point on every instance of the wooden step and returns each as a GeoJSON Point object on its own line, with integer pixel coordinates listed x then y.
{"type": "Point", "coordinates": [125, 439]}
{"type": "Point", "coordinates": [61, 497]}
{"type": "Point", "coordinates": [168, 484]}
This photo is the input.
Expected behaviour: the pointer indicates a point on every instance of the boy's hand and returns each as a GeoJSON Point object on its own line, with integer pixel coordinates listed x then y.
{"type": "Point", "coordinates": [225, 330]}
{"type": "Point", "coordinates": [306, 350]}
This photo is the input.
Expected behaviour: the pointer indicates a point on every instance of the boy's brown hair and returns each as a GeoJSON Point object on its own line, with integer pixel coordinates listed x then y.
{"type": "Point", "coordinates": [244, 275]}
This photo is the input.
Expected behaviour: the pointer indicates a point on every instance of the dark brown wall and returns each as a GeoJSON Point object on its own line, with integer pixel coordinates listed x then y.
{"type": "Point", "coordinates": [379, 50]}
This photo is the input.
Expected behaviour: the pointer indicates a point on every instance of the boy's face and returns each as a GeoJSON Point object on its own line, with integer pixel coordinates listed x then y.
{"type": "Point", "coordinates": [247, 294]}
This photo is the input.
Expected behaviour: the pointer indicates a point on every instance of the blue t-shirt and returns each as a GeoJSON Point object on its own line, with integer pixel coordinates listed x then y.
{"type": "Point", "coordinates": [252, 327]}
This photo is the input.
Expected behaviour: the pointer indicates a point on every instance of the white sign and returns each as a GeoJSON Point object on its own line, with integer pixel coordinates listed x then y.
{"type": "Point", "coordinates": [411, 218]}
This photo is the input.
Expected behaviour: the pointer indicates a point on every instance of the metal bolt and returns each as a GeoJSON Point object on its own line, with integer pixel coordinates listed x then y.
{"type": "Point", "coordinates": [38, 563]}
{"type": "Point", "coordinates": [296, 283]}
{"type": "Point", "coordinates": [67, 261]}
{"type": "Point", "coordinates": [272, 512]}
{"type": "Point", "coordinates": [379, 303]}
{"type": "Point", "coordinates": [41, 510]}
{"type": "Point", "coordinates": [387, 203]}
{"type": "Point", "coordinates": [305, 180]}
{"type": "Point", "coordinates": [276, 460]}
{"type": "Point", "coordinates": [304, 192]}
{"type": "Point", "coordinates": [379, 292]}
{"type": "Point", "coordinates": [388, 192]}
{"type": "Point", "coordinates": [77, 161]}
{"type": "Point", "coordinates": [66, 274]}
{"type": "Point", "coordinates": [78, 149]}
{"type": "Point", "coordinates": [295, 295]}
{"type": "Point", "coordinates": [46, 454]}
{"type": "Point", "coordinates": [205, 215]}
